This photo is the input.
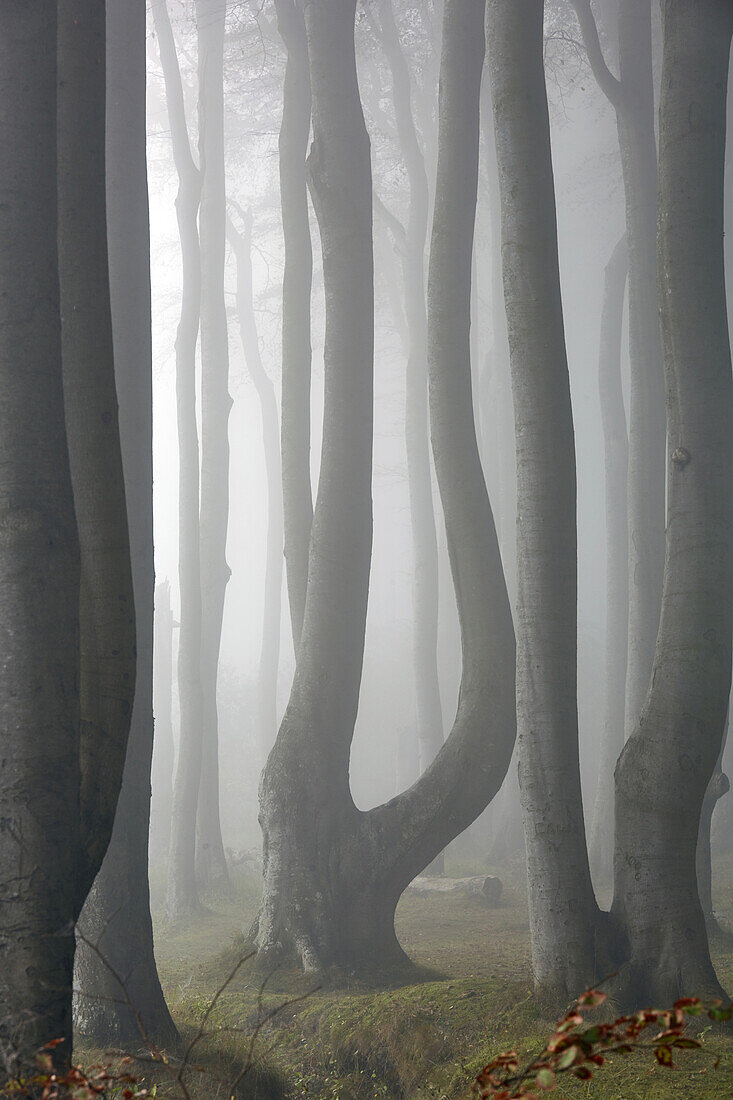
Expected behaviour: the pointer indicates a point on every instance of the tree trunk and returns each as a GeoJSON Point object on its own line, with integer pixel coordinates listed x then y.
{"type": "Point", "coordinates": [163, 748]}
{"type": "Point", "coordinates": [633, 100]}
{"type": "Point", "coordinates": [119, 1001]}
{"type": "Point", "coordinates": [296, 306]}
{"type": "Point", "coordinates": [107, 607]}
{"type": "Point", "coordinates": [563, 912]}
{"type": "Point", "coordinates": [39, 564]}
{"type": "Point", "coordinates": [717, 788]}
{"type": "Point", "coordinates": [333, 875]}
{"type": "Point", "coordinates": [270, 652]}
{"type": "Point", "coordinates": [422, 516]}
{"type": "Point", "coordinates": [182, 894]}
{"type": "Point", "coordinates": [615, 440]}
{"type": "Point", "coordinates": [211, 867]}
{"type": "Point", "coordinates": [669, 759]}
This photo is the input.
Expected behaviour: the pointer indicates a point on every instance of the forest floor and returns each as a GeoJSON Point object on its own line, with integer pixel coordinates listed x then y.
{"type": "Point", "coordinates": [418, 1041]}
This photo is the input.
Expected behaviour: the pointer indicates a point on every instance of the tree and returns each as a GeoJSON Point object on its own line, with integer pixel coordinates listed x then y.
{"type": "Point", "coordinates": [115, 923]}
{"type": "Point", "coordinates": [211, 865]}
{"type": "Point", "coordinates": [333, 875]}
{"type": "Point", "coordinates": [563, 911]}
{"type": "Point", "coordinates": [39, 561]}
{"type": "Point", "coordinates": [163, 749]}
{"type": "Point", "coordinates": [632, 97]}
{"type": "Point", "coordinates": [182, 894]}
{"type": "Point", "coordinates": [241, 243]}
{"type": "Point", "coordinates": [669, 759]}
{"type": "Point", "coordinates": [410, 241]}
{"type": "Point", "coordinates": [296, 305]}
{"type": "Point", "coordinates": [67, 599]}
{"type": "Point", "coordinates": [615, 440]}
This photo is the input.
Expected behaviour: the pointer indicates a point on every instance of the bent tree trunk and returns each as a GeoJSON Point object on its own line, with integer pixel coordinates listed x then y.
{"type": "Point", "coordinates": [39, 564]}
{"type": "Point", "coordinates": [563, 912]}
{"type": "Point", "coordinates": [616, 447]}
{"type": "Point", "coordinates": [241, 244]}
{"type": "Point", "coordinates": [211, 867]}
{"type": "Point", "coordinates": [296, 306]}
{"type": "Point", "coordinates": [669, 759]}
{"type": "Point", "coordinates": [182, 895]}
{"type": "Point", "coordinates": [333, 875]}
{"type": "Point", "coordinates": [119, 1000]}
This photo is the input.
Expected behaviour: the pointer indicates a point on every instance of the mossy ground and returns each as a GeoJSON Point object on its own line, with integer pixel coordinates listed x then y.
{"type": "Point", "coordinates": [423, 1040]}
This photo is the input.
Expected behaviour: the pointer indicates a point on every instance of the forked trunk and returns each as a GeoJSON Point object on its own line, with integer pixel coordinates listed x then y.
{"type": "Point", "coordinates": [333, 875]}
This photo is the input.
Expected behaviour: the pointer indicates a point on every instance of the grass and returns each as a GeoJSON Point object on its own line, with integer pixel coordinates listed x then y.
{"type": "Point", "coordinates": [426, 1040]}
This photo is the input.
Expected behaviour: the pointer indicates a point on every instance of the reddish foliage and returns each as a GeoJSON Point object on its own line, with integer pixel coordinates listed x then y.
{"type": "Point", "coordinates": [578, 1048]}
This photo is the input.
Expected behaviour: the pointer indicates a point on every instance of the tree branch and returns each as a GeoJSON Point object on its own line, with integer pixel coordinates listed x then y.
{"type": "Point", "coordinates": [611, 87]}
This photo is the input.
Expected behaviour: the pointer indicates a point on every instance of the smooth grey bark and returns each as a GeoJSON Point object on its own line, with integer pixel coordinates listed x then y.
{"type": "Point", "coordinates": [717, 788]}
{"type": "Point", "coordinates": [411, 243]}
{"type": "Point", "coordinates": [241, 244]}
{"type": "Point", "coordinates": [116, 916]}
{"type": "Point", "coordinates": [107, 606]}
{"type": "Point", "coordinates": [211, 866]}
{"type": "Point", "coordinates": [296, 310]}
{"type": "Point", "coordinates": [669, 759]}
{"type": "Point", "coordinates": [632, 96]}
{"type": "Point", "coordinates": [39, 564]}
{"type": "Point", "coordinates": [163, 747]}
{"type": "Point", "coordinates": [615, 440]}
{"type": "Point", "coordinates": [333, 874]}
{"type": "Point", "coordinates": [182, 894]}
{"type": "Point", "coordinates": [563, 912]}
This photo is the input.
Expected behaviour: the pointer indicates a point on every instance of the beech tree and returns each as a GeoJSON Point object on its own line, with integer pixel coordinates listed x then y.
{"type": "Point", "coordinates": [211, 867]}
{"type": "Point", "coordinates": [296, 309]}
{"type": "Point", "coordinates": [68, 608]}
{"type": "Point", "coordinates": [670, 757]}
{"type": "Point", "coordinates": [333, 875]}
{"type": "Point", "coordinates": [182, 893]}
{"type": "Point", "coordinates": [115, 923]}
{"type": "Point", "coordinates": [563, 911]}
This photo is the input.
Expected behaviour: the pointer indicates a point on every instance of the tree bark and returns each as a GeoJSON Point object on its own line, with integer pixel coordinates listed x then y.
{"type": "Point", "coordinates": [163, 748]}
{"type": "Point", "coordinates": [669, 759]}
{"type": "Point", "coordinates": [296, 306]}
{"type": "Point", "coordinates": [633, 99]}
{"type": "Point", "coordinates": [107, 609]}
{"type": "Point", "coordinates": [615, 438]}
{"type": "Point", "coordinates": [270, 652]}
{"type": "Point", "coordinates": [563, 912]}
{"type": "Point", "coordinates": [119, 1001]}
{"type": "Point", "coordinates": [39, 564]}
{"type": "Point", "coordinates": [182, 894]}
{"type": "Point", "coordinates": [333, 875]}
{"type": "Point", "coordinates": [211, 866]}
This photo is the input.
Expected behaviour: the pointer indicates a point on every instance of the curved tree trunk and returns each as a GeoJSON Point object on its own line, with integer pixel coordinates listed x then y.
{"type": "Point", "coordinates": [211, 867]}
{"type": "Point", "coordinates": [296, 307]}
{"type": "Point", "coordinates": [270, 652]}
{"type": "Point", "coordinates": [563, 912]}
{"type": "Point", "coordinates": [182, 894]}
{"type": "Point", "coordinates": [422, 515]}
{"type": "Point", "coordinates": [670, 757]}
{"type": "Point", "coordinates": [718, 787]}
{"type": "Point", "coordinates": [39, 563]}
{"type": "Point", "coordinates": [116, 916]}
{"type": "Point", "coordinates": [615, 440]}
{"type": "Point", "coordinates": [163, 747]}
{"type": "Point", "coordinates": [333, 875]}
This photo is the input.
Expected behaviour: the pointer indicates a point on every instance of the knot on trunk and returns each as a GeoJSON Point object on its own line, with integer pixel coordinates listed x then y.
{"type": "Point", "coordinates": [681, 457]}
